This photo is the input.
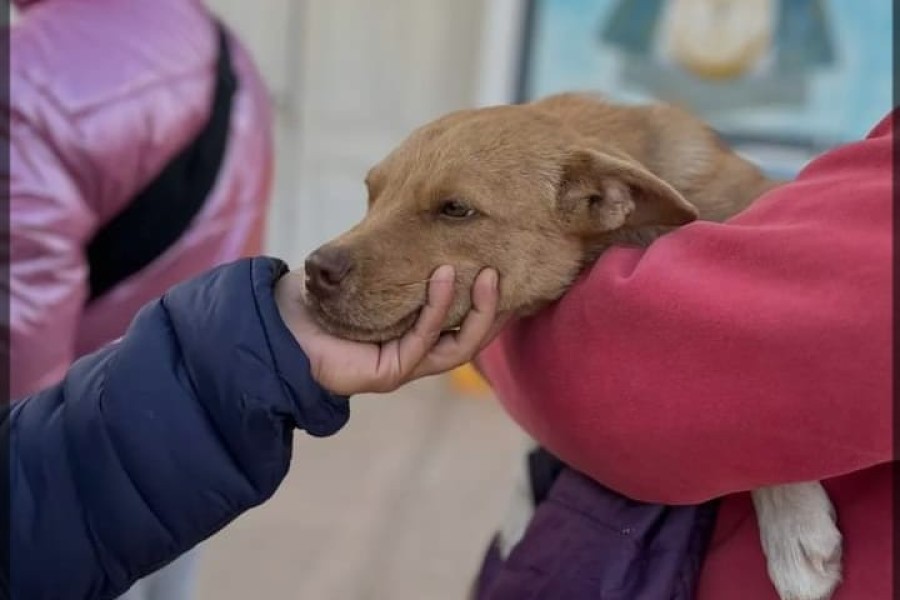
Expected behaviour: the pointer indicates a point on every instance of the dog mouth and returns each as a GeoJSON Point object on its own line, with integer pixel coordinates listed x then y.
{"type": "Point", "coordinates": [361, 333]}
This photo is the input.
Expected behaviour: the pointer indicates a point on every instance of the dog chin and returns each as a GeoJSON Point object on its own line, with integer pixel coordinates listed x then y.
{"type": "Point", "coordinates": [362, 333]}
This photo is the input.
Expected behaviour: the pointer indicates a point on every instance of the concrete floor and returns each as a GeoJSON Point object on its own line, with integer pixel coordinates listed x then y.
{"type": "Point", "coordinates": [397, 506]}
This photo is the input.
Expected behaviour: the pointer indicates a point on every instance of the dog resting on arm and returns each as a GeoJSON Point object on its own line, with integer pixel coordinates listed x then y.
{"type": "Point", "coordinates": [539, 191]}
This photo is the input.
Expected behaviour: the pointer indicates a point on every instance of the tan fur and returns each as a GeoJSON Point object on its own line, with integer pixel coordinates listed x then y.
{"type": "Point", "coordinates": [529, 171]}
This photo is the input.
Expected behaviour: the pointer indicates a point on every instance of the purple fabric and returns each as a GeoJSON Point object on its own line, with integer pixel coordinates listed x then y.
{"type": "Point", "coordinates": [588, 542]}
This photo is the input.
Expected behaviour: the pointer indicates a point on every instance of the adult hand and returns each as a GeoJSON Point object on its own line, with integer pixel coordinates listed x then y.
{"type": "Point", "coordinates": [346, 367]}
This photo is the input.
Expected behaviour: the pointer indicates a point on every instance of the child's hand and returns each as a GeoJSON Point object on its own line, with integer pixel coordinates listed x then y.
{"type": "Point", "coordinates": [347, 367]}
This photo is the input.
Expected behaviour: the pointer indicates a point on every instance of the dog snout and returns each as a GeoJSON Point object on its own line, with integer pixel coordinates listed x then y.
{"type": "Point", "coordinates": [326, 269]}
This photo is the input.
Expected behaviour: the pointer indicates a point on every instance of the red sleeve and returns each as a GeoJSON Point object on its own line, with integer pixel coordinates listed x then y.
{"type": "Point", "coordinates": [726, 356]}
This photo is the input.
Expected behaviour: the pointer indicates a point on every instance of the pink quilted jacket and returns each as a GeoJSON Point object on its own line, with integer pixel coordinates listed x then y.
{"type": "Point", "coordinates": [104, 93]}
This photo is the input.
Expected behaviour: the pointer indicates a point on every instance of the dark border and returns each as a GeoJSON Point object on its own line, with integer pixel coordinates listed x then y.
{"type": "Point", "coordinates": [5, 488]}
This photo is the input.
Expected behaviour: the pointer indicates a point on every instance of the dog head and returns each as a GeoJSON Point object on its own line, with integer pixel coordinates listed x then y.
{"type": "Point", "coordinates": [504, 187]}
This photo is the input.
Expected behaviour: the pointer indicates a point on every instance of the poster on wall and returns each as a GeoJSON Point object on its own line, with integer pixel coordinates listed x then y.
{"type": "Point", "coordinates": [781, 80]}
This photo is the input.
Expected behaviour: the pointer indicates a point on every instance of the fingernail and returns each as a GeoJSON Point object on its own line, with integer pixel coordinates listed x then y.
{"type": "Point", "coordinates": [443, 273]}
{"type": "Point", "coordinates": [493, 279]}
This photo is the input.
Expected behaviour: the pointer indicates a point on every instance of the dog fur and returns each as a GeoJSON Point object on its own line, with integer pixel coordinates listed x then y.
{"type": "Point", "coordinates": [538, 191]}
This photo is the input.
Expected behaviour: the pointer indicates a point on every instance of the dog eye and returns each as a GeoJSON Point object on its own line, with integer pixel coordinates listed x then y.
{"type": "Point", "coordinates": [456, 210]}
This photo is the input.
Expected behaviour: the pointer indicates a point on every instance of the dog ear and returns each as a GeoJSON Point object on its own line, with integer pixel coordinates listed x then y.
{"type": "Point", "coordinates": [601, 193]}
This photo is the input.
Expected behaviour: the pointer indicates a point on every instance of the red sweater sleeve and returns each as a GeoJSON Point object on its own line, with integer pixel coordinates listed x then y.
{"type": "Point", "coordinates": [726, 356]}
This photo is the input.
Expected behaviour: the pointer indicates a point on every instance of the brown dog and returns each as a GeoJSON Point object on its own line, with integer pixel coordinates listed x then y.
{"type": "Point", "coordinates": [538, 191]}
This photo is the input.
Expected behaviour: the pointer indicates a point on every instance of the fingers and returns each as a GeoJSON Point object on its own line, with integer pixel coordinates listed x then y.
{"type": "Point", "coordinates": [414, 345]}
{"type": "Point", "coordinates": [424, 351]}
{"type": "Point", "coordinates": [500, 321]}
{"type": "Point", "coordinates": [480, 319]}
{"type": "Point", "coordinates": [477, 330]}
{"type": "Point", "coordinates": [440, 298]}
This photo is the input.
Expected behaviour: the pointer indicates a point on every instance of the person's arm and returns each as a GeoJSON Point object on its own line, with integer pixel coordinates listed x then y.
{"type": "Point", "coordinates": [726, 356]}
{"type": "Point", "coordinates": [50, 225]}
{"type": "Point", "coordinates": [156, 442]}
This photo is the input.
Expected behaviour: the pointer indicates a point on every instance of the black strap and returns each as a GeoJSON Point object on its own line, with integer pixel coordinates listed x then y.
{"type": "Point", "coordinates": [164, 210]}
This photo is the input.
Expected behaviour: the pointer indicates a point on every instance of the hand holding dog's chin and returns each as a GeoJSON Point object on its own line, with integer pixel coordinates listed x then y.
{"type": "Point", "coordinates": [346, 367]}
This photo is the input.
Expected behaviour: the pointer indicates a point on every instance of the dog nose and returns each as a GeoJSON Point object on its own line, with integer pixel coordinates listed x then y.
{"type": "Point", "coordinates": [326, 268]}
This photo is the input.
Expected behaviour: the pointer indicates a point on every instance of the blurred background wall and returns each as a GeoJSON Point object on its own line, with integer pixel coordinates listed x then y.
{"type": "Point", "coordinates": [350, 79]}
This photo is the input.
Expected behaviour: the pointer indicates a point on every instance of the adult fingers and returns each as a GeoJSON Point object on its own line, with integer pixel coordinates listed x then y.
{"type": "Point", "coordinates": [398, 360]}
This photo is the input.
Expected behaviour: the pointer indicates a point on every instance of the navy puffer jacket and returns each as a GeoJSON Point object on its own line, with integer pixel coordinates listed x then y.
{"type": "Point", "coordinates": [157, 441]}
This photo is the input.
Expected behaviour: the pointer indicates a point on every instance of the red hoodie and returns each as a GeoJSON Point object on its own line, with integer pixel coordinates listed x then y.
{"type": "Point", "coordinates": [727, 357]}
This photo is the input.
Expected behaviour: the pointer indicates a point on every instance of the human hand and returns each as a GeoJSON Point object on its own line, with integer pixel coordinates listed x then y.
{"type": "Point", "coordinates": [346, 367]}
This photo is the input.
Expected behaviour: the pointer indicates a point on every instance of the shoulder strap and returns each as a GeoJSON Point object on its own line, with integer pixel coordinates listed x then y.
{"type": "Point", "coordinates": [164, 210]}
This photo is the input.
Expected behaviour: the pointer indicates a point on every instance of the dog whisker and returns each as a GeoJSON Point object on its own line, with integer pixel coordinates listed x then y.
{"type": "Point", "coordinates": [409, 283]}
{"type": "Point", "coordinates": [419, 282]}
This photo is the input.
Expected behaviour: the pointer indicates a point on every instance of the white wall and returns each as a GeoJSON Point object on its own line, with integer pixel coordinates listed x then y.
{"type": "Point", "coordinates": [351, 79]}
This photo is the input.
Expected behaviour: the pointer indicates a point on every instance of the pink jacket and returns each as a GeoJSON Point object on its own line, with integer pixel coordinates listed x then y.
{"type": "Point", "coordinates": [104, 93]}
{"type": "Point", "coordinates": [727, 357]}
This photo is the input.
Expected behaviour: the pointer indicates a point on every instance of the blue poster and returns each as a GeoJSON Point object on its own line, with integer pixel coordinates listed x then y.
{"type": "Point", "coordinates": [781, 79]}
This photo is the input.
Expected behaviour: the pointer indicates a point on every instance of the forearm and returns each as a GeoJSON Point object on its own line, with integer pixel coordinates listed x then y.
{"type": "Point", "coordinates": [108, 486]}
{"type": "Point", "coordinates": [155, 443]}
